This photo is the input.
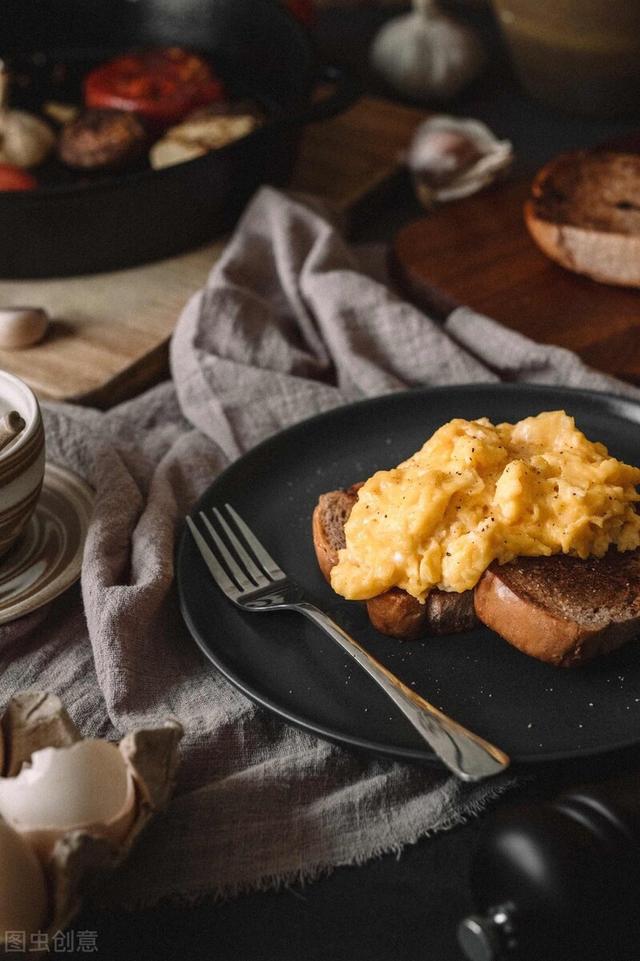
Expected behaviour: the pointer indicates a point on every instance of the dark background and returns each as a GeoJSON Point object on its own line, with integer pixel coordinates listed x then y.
{"type": "Point", "coordinates": [395, 908]}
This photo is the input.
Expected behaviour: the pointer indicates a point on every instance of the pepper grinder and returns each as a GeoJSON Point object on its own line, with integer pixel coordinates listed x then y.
{"type": "Point", "coordinates": [559, 881]}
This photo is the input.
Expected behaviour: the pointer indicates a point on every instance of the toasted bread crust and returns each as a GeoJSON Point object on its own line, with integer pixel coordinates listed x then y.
{"type": "Point", "coordinates": [528, 602]}
{"type": "Point", "coordinates": [328, 520]}
{"type": "Point", "coordinates": [394, 612]}
{"type": "Point", "coordinates": [398, 614]}
{"type": "Point", "coordinates": [584, 213]}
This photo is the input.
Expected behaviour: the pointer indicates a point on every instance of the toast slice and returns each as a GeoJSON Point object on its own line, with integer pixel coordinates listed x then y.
{"type": "Point", "coordinates": [561, 609]}
{"type": "Point", "coordinates": [584, 213]}
{"type": "Point", "coordinates": [395, 612]}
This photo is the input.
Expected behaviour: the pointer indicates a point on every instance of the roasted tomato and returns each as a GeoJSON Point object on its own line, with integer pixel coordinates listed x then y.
{"type": "Point", "coordinates": [161, 85]}
{"type": "Point", "coordinates": [15, 178]}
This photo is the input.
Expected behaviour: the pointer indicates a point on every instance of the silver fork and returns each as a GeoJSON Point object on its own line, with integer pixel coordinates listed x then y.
{"type": "Point", "coordinates": [251, 579]}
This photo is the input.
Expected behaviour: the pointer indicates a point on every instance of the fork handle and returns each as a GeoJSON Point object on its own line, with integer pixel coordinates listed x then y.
{"type": "Point", "coordinates": [469, 756]}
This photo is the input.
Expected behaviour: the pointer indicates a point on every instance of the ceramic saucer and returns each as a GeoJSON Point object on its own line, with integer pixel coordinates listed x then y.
{"type": "Point", "coordinates": [47, 558]}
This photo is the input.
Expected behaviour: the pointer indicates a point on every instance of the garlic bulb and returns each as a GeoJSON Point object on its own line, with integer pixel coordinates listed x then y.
{"type": "Point", "coordinates": [425, 54]}
{"type": "Point", "coordinates": [25, 140]}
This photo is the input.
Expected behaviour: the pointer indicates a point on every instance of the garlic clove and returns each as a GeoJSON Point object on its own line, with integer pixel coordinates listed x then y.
{"type": "Point", "coordinates": [87, 786]}
{"type": "Point", "coordinates": [23, 893]}
{"type": "Point", "coordinates": [22, 327]}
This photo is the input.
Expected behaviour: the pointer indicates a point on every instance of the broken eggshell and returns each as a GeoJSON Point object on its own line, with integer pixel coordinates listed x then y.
{"type": "Point", "coordinates": [87, 786]}
{"type": "Point", "coordinates": [80, 860]}
{"type": "Point", "coordinates": [450, 158]}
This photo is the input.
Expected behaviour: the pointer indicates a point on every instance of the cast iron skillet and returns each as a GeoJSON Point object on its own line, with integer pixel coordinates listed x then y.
{"type": "Point", "coordinates": [110, 222]}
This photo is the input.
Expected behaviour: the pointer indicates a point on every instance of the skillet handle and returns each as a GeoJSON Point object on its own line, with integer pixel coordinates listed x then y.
{"type": "Point", "coordinates": [346, 91]}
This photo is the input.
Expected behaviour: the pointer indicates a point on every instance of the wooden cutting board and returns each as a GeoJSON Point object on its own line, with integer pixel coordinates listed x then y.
{"type": "Point", "coordinates": [478, 252]}
{"type": "Point", "coordinates": [110, 332]}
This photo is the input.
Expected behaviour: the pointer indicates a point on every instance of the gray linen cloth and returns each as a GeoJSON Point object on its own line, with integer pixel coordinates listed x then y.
{"type": "Point", "coordinates": [288, 325]}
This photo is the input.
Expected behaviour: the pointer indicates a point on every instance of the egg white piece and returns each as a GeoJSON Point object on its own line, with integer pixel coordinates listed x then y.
{"type": "Point", "coordinates": [23, 895]}
{"type": "Point", "coordinates": [66, 788]}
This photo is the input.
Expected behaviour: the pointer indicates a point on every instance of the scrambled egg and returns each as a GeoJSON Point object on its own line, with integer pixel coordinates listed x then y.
{"type": "Point", "coordinates": [476, 493]}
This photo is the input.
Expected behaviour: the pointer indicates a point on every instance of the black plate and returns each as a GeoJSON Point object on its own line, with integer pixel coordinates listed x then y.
{"type": "Point", "coordinates": [533, 711]}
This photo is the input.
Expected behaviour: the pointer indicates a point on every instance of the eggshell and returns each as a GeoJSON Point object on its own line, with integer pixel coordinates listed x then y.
{"type": "Point", "coordinates": [23, 893]}
{"type": "Point", "coordinates": [86, 786]}
{"type": "Point", "coordinates": [75, 860]}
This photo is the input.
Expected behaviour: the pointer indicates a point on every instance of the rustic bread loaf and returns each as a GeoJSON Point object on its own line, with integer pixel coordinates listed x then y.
{"type": "Point", "coordinates": [584, 213]}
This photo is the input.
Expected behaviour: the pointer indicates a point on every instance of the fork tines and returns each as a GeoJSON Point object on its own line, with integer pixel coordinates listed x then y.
{"type": "Point", "coordinates": [240, 563]}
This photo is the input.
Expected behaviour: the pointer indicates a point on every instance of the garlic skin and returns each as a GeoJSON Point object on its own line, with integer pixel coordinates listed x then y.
{"type": "Point", "coordinates": [23, 894]}
{"type": "Point", "coordinates": [22, 327]}
{"type": "Point", "coordinates": [440, 155]}
{"type": "Point", "coordinates": [450, 158]}
{"type": "Point", "coordinates": [426, 55]}
{"type": "Point", "coordinates": [87, 786]}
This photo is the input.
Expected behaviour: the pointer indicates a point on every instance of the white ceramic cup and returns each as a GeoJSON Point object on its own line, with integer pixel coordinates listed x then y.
{"type": "Point", "coordinates": [21, 461]}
